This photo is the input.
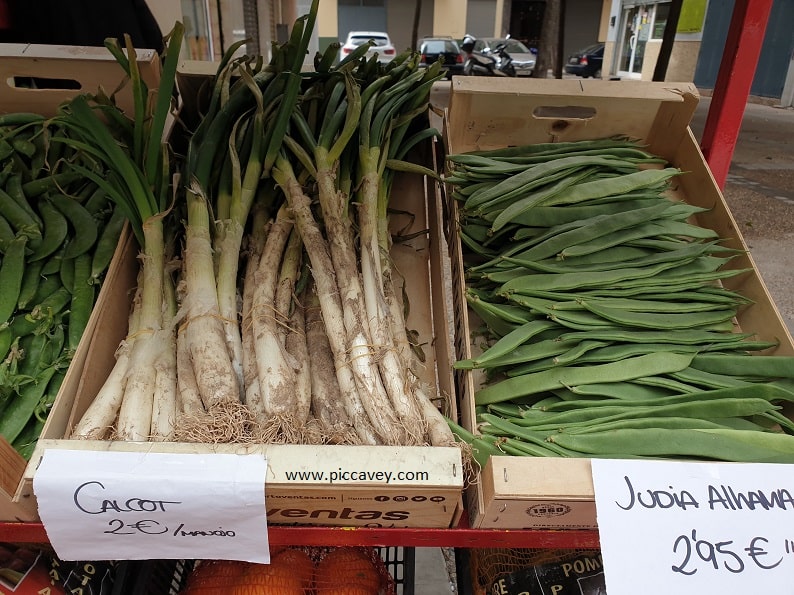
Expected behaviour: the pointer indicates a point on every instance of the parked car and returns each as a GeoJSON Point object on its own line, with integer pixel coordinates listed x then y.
{"type": "Point", "coordinates": [442, 49]}
{"type": "Point", "coordinates": [586, 62]}
{"type": "Point", "coordinates": [523, 57]}
{"type": "Point", "coordinates": [383, 46]}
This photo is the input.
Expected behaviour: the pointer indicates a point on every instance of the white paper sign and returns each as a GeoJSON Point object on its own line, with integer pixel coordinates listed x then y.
{"type": "Point", "coordinates": [137, 506]}
{"type": "Point", "coordinates": [695, 528]}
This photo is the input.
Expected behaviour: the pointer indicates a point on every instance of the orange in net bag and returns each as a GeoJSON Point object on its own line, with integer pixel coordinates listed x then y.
{"type": "Point", "coordinates": [347, 571]}
{"type": "Point", "coordinates": [213, 576]}
{"type": "Point", "coordinates": [296, 571]}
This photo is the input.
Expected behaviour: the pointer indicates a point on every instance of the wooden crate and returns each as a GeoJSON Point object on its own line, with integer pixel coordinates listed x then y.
{"type": "Point", "coordinates": [434, 501]}
{"type": "Point", "coordinates": [79, 68]}
{"type": "Point", "coordinates": [524, 492]}
{"type": "Point", "coordinates": [90, 68]}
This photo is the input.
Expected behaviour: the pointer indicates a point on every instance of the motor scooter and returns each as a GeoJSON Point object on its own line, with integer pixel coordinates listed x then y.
{"type": "Point", "coordinates": [494, 62]}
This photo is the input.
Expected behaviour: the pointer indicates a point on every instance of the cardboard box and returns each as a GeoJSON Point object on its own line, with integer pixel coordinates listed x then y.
{"type": "Point", "coordinates": [63, 71]}
{"type": "Point", "coordinates": [429, 491]}
{"type": "Point", "coordinates": [557, 493]}
{"type": "Point", "coordinates": [88, 69]}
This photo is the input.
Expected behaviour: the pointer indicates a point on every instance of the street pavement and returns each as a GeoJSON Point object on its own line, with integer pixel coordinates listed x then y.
{"type": "Point", "coordinates": [759, 192]}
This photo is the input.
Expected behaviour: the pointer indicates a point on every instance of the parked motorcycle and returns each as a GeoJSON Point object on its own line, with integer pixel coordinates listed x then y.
{"type": "Point", "coordinates": [493, 62]}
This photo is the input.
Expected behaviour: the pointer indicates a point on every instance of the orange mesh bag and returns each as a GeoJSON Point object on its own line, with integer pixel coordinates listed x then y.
{"type": "Point", "coordinates": [300, 564]}
{"type": "Point", "coordinates": [296, 571]}
{"type": "Point", "coordinates": [276, 578]}
{"type": "Point", "coordinates": [211, 577]}
{"type": "Point", "coordinates": [352, 571]}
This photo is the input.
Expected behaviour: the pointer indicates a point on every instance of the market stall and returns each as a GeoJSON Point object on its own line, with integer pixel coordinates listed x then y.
{"type": "Point", "coordinates": [444, 512]}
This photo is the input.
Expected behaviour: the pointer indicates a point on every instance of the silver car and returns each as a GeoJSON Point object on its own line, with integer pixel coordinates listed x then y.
{"type": "Point", "coordinates": [383, 46]}
{"type": "Point", "coordinates": [523, 57]}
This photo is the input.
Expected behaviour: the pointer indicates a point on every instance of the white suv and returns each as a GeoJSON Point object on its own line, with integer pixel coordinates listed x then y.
{"type": "Point", "coordinates": [383, 46]}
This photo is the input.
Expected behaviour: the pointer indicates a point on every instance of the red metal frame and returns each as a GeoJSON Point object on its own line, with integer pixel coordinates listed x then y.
{"type": "Point", "coordinates": [735, 77]}
{"type": "Point", "coordinates": [461, 536]}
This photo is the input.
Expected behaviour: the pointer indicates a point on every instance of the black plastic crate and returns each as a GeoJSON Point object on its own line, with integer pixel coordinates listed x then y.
{"type": "Point", "coordinates": [151, 577]}
{"type": "Point", "coordinates": [400, 562]}
{"type": "Point", "coordinates": [167, 577]}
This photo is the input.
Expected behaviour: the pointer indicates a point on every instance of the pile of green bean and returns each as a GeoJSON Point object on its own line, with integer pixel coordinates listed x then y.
{"type": "Point", "coordinates": [607, 332]}
{"type": "Point", "coordinates": [58, 232]}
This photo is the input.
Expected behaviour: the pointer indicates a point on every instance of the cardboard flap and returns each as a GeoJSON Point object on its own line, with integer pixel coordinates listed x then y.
{"type": "Point", "coordinates": [64, 71]}
{"type": "Point", "coordinates": [529, 111]}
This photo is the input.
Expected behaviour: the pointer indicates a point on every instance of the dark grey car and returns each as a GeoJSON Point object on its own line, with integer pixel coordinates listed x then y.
{"type": "Point", "coordinates": [442, 49]}
{"type": "Point", "coordinates": [586, 62]}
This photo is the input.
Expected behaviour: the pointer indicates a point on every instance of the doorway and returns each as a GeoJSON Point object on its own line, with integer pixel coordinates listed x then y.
{"type": "Point", "coordinates": [636, 22]}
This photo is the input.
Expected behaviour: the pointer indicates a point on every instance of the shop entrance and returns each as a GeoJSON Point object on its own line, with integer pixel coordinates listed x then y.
{"type": "Point", "coordinates": [635, 32]}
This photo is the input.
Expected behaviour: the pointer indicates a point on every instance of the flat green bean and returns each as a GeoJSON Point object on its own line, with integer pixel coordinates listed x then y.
{"type": "Point", "coordinates": [507, 344]}
{"type": "Point", "coordinates": [767, 391]}
{"type": "Point", "coordinates": [767, 366]}
{"type": "Point", "coordinates": [550, 216]}
{"type": "Point", "coordinates": [516, 184]}
{"type": "Point", "coordinates": [691, 375]}
{"type": "Point", "coordinates": [656, 319]}
{"type": "Point", "coordinates": [628, 369]}
{"type": "Point", "coordinates": [741, 446]}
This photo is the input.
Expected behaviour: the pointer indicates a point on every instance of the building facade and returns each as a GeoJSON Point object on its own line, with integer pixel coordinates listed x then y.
{"type": "Point", "coordinates": [631, 30]}
{"type": "Point", "coordinates": [633, 37]}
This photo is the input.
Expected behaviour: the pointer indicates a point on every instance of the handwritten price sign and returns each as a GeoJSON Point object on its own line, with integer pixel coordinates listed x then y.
{"type": "Point", "coordinates": [133, 506]}
{"type": "Point", "coordinates": [695, 528]}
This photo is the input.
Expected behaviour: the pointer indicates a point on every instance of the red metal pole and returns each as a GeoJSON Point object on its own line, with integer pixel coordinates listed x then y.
{"type": "Point", "coordinates": [737, 69]}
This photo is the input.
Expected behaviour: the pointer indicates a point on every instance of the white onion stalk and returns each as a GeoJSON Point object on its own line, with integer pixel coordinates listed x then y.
{"type": "Point", "coordinates": [326, 398]}
{"type": "Point", "coordinates": [205, 339]}
{"type": "Point", "coordinates": [338, 226]}
{"type": "Point", "coordinates": [97, 420]}
{"type": "Point", "coordinates": [230, 227]}
{"type": "Point", "coordinates": [256, 241]}
{"type": "Point", "coordinates": [135, 414]}
{"type": "Point", "coordinates": [276, 368]}
{"type": "Point", "coordinates": [190, 403]}
{"type": "Point", "coordinates": [362, 357]}
{"type": "Point", "coordinates": [164, 408]}
{"type": "Point", "coordinates": [393, 369]}
{"type": "Point", "coordinates": [438, 430]}
{"type": "Point", "coordinates": [330, 301]}
{"type": "Point", "coordinates": [140, 183]}
{"type": "Point", "coordinates": [293, 332]}
{"type": "Point", "coordinates": [295, 344]}
{"type": "Point", "coordinates": [166, 397]}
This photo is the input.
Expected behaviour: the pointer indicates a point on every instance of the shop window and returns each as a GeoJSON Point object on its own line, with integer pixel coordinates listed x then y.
{"type": "Point", "coordinates": [377, 3]}
{"type": "Point", "coordinates": [195, 14]}
{"type": "Point", "coordinates": [660, 20]}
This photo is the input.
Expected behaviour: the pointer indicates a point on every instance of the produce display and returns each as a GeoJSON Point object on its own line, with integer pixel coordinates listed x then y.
{"type": "Point", "coordinates": [607, 330]}
{"type": "Point", "coordinates": [295, 571]}
{"type": "Point", "coordinates": [58, 233]}
{"type": "Point", "coordinates": [277, 229]}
